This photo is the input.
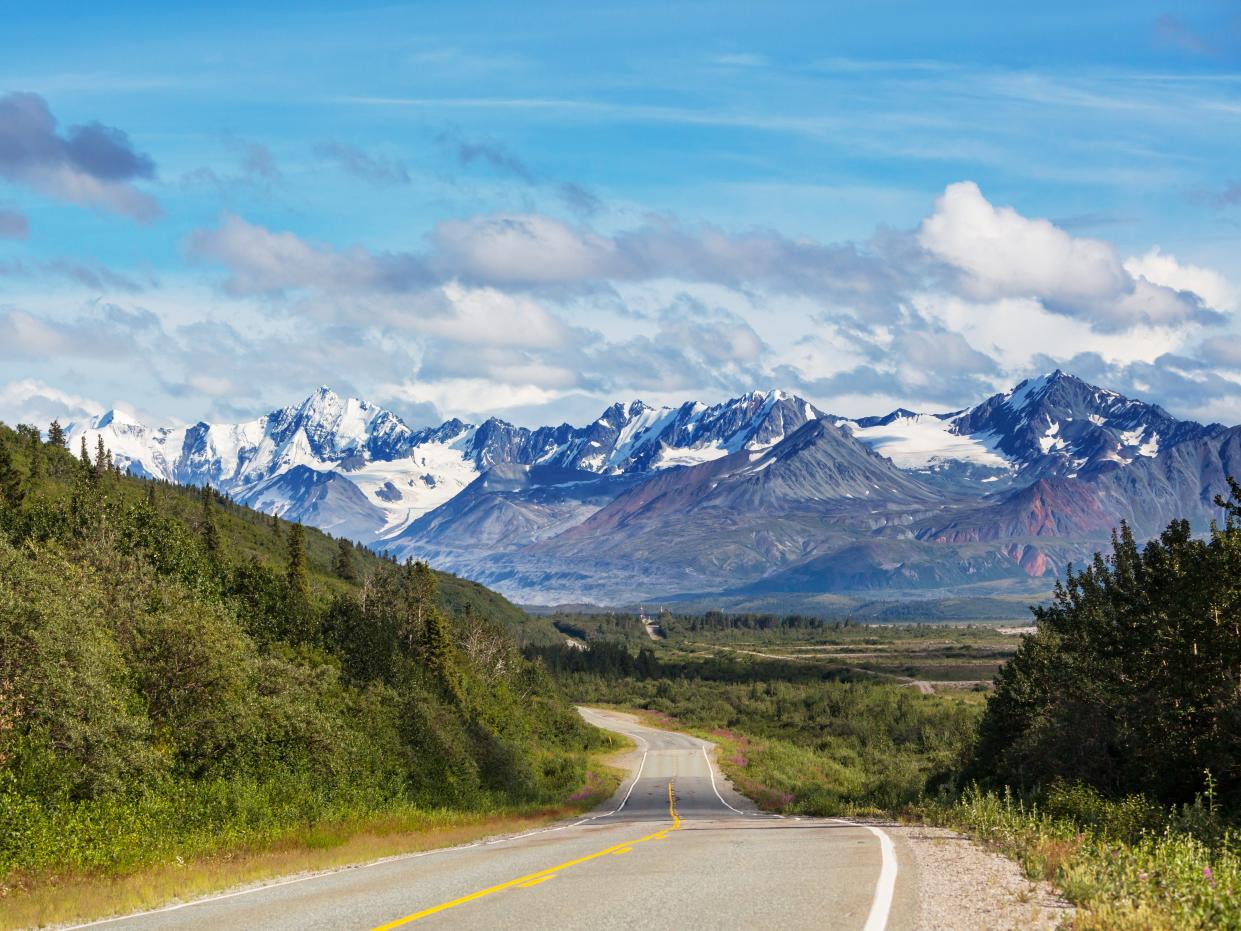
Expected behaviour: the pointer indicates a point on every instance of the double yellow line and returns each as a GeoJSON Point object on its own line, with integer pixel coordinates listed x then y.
{"type": "Point", "coordinates": [533, 879]}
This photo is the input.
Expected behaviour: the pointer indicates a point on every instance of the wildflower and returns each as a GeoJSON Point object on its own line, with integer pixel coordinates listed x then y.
{"type": "Point", "coordinates": [1208, 875]}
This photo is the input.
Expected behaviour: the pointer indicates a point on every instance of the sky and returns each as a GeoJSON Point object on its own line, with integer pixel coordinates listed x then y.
{"type": "Point", "coordinates": [533, 210]}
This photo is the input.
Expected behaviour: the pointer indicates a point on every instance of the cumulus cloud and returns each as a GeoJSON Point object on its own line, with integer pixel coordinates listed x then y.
{"type": "Point", "coordinates": [995, 252]}
{"type": "Point", "coordinates": [522, 250]}
{"type": "Point", "coordinates": [1209, 285]}
{"type": "Point", "coordinates": [1224, 351]}
{"type": "Point", "coordinates": [534, 250]}
{"type": "Point", "coordinates": [91, 164]}
{"type": "Point", "coordinates": [550, 311]}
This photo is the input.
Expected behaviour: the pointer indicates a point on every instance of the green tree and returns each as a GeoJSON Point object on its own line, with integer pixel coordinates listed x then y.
{"type": "Point", "coordinates": [12, 489]}
{"type": "Point", "coordinates": [296, 573]}
{"type": "Point", "coordinates": [84, 458]}
{"type": "Point", "coordinates": [210, 528]}
{"type": "Point", "coordinates": [103, 459]}
{"type": "Point", "coordinates": [56, 436]}
{"type": "Point", "coordinates": [343, 567]}
{"type": "Point", "coordinates": [1130, 683]}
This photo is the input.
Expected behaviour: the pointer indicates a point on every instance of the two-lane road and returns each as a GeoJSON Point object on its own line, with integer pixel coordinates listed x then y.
{"type": "Point", "coordinates": [676, 848]}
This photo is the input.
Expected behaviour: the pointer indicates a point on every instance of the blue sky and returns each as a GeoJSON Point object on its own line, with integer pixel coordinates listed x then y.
{"type": "Point", "coordinates": [532, 210]}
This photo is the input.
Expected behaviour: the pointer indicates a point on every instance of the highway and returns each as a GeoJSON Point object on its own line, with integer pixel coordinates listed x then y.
{"type": "Point", "coordinates": [675, 848]}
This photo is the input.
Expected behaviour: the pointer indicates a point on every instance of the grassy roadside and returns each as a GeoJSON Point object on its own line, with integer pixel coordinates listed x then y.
{"type": "Point", "coordinates": [1127, 864]}
{"type": "Point", "coordinates": [52, 899]}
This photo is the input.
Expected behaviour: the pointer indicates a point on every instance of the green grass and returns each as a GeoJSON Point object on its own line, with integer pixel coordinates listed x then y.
{"type": "Point", "coordinates": [191, 867]}
{"type": "Point", "coordinates": [1127, 864]}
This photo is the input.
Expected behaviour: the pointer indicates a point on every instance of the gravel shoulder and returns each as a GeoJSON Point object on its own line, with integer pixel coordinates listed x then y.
{"type": "Point", "coordinates": [965, 887]}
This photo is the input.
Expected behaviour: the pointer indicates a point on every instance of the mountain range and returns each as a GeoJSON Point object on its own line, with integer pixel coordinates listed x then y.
{"type": "Point", "coordinates": [758, 495]}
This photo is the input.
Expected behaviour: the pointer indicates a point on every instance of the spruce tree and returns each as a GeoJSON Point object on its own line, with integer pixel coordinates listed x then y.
{"type": "Point", "coordinates": [11, 492]}
{"type": "Point", "coordinates": [437, 651]}
{"type": "Point", "coordinates": [84, 457]}
{"type": "Point", "coordinates": [296, 574]}
{"type": "Point", "coordinates": [101, 458]}
{"type": "Point", "coordinates": [56, 435]}
{"type": "Point", "coordinates": [210, 530]}
{"type": "Point", "coordinates": [344, 561]}
{"type": "Point", "coordinates": [435, 640]}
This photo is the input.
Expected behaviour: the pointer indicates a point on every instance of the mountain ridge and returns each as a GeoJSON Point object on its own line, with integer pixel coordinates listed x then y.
{"type": "Point", "coordinates": [697, 497]}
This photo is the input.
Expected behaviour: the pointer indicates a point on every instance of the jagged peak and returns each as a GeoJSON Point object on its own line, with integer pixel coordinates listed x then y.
{"type": "Point", "coordinates": [115, 417]}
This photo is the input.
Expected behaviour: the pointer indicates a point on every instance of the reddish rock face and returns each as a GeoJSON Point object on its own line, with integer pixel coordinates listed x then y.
{"type": "Point", "coordinates": [1033, 560]}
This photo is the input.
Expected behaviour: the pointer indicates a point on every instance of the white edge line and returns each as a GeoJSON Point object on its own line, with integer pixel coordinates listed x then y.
{"type": "Point", "coordinates": [885, 886]}
{"type": "Point", "coordinates": [625, 800]}
{"type": "Point", "coordinates": [711, 772]}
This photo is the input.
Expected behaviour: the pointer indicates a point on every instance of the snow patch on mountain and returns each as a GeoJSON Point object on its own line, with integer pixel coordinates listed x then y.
{"type": "Point", "coordinates": [920, 441]}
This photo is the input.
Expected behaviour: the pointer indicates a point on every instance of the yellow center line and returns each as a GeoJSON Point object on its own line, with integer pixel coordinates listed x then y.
{"type": "Point", "coordinates": [533, 879]}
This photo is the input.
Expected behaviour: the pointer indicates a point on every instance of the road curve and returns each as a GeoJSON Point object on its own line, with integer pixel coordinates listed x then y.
{"type": "Point", "coordinates": [675, 848]}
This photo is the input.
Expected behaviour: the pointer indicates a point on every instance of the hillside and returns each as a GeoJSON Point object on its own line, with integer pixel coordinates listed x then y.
{"type": "Point", "coordinates": [177, 666]}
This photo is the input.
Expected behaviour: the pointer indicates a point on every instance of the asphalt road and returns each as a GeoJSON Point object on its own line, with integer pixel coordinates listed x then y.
{"type": "Point", "coordinates": [676, 848]}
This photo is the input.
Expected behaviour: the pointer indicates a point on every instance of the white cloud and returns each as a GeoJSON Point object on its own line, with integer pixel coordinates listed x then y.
{"type": "Point", "coordinates": [32, 401]}
{"type": "Point", "coordinates": [488, 316]}
{"type": "Point", "coordinates": [465, 397]}
{"type": "Point", "coordinates": [1161, 268]}
{"type": "Point", "coordinates": [998, 253]}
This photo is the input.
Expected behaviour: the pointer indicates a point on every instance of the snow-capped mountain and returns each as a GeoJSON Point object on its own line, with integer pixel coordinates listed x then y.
{"type": "Point", "coordinates": [757, 494]}
{"type": "Point", "coordinates": [1055, 424]}
{"type": "Point", "coordinates": [354, 468]}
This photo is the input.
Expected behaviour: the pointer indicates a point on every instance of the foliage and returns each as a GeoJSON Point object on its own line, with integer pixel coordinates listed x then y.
{"type": "Point", "coordinates": [175, 678]}
{"type": "Point", "coordinates": [1126, 862]}
{"type": "Point", "coordinates": [796, 738]}
{"type": "Point", "coordinates": [1131, 682]}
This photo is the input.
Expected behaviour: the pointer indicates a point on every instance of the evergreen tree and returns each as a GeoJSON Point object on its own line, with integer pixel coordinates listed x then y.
{"type": "Point", "coordinates": [210, 530]}
{"type": "Point", "coordinates": [84, 457]}
{"type": "Point", "coordinates": [427, 629]}
{"type": "Point", "coordinates": [344, 561]}
{"type": "Point", "coordinates": [56, 435]}
{"type": "Point", "coordinates": [11, 491]}
{"type": "Point", "coordinates": [296, 573]}
{"type": "Point", "coordinates": [1130, 683]}
{"type": "Point", "coordinates": [102, 463]}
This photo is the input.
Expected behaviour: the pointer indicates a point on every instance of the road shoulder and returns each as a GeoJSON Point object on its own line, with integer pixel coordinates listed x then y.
{"type": "Point", "coordinates": [965, 887]}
